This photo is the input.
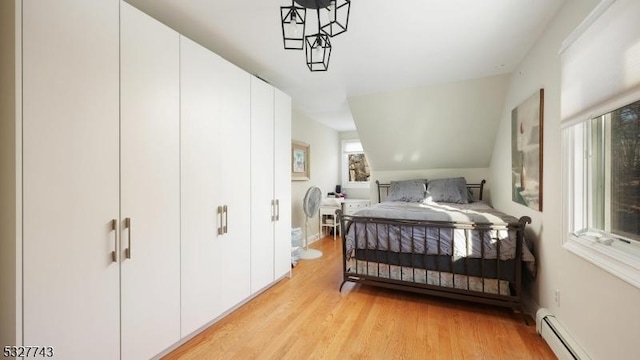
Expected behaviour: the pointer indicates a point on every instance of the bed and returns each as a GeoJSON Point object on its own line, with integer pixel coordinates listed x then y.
{"type": "Point", "coordinates": [438, 237]}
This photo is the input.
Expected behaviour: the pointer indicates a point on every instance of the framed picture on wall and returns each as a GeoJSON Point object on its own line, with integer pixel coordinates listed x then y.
{"type": "Point", "coordinates": [526, 151]}
{"type": "Point", "coordinates": [300, 161]}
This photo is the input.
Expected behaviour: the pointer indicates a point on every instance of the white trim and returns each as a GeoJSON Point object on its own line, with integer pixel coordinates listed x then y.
{"type": "Point", "coordinates": [585, 24]}
{"type": "Point", "coordinates": [202, 328]}
{"type": "Point", "coordinates": [563, 345]}
{"type": "Point", "coordinates": [616, 262]}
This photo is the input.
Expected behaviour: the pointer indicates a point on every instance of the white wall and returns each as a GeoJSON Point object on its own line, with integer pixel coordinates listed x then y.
{"type": "Point", "coordinates": [473, 175]}
{"type": "Point", "coordinates": [441, 126]}
{"type": "Point", "coordinates": [8, 221]}
{"type": "Point", "coordinates": [325, 164]}
{"type": "Point", "coordinates": [600, 311]}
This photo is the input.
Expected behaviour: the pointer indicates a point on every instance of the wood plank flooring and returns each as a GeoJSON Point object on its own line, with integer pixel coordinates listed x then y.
{"type": "Point", "coordinates": [305, 317]}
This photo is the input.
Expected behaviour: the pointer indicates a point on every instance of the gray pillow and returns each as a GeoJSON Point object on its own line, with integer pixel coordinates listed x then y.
{"type": "Point", "coordinates": [408, 190]}
{"type": "Point", "coordinates": [451, 190]}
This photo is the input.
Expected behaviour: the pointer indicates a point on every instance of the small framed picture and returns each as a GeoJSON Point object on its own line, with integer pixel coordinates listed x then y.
{"type": "Point", "coordinates": [300, 161]}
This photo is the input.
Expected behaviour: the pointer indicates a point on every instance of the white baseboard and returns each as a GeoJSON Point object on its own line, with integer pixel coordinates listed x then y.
{"type": "Point", "coordinates": [313, 238]}
{"type": "Point", "coordinates": [193, 334]}
{"type": "Point", "coordinates": [563, 345]}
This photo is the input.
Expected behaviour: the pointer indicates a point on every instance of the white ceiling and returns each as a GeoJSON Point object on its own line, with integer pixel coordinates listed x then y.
{"type": "Point", "coordinates": [390, 45]}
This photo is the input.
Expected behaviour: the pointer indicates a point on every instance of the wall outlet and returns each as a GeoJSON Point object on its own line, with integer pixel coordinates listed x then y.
{"type": "Point", "coordinates": [557, 297]}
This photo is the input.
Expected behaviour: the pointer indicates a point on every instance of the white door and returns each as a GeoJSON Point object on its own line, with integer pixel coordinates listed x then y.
{"type": "Point", "coordinates": [150, 185]}
{"type": "Point", "coordinates": [263, 206]}
{"type": "Point", "coordinates": [234, 120]}
{"type": "Point", "coordinates": [70, 159]}
{"type": "Point", "coordinates": [201, 188]}
{"type": "Point", "coordinates": [282, 183]}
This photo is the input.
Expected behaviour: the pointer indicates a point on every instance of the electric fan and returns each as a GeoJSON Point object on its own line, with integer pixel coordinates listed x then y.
{"type": "Point", "coordinates": [310, 205]}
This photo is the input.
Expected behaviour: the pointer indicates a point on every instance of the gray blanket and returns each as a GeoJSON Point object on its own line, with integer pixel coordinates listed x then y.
{"type": "Point", "coordinates": [471, 243]}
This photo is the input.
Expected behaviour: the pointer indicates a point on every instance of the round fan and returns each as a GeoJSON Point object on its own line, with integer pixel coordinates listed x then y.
{"type": "Point", "coordinates": [310, 205]}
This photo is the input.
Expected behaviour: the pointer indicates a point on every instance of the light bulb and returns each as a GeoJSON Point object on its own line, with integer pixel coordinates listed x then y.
{"type": "Point", "coordinates": [294, 28]}
{"type": "Point", "coordinates": [331, 10]}
{"type": "Point", "coordinates": [317, 48]}
{"type": "Point", "coordinates": [293, 25]}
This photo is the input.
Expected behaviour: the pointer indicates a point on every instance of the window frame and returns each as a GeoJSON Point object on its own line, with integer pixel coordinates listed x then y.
{"type": "Point", "coordinates": [345, 167]}
{"type": "Point", "coordinates": [609, 253]}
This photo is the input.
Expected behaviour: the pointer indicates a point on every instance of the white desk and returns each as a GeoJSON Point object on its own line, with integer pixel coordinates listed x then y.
{"type": "Point", "coordinates": [328, 218]}
{"type": "Point", "coordinates": [350, 206]}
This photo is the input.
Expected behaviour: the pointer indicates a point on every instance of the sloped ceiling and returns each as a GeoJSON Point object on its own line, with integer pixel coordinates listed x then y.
{"type": "Point", "coordinates": [390, 45]}
{"type": "Point", "coordinates": [449, 126]}
{"type": "Point", "coordinates": [383, 69]}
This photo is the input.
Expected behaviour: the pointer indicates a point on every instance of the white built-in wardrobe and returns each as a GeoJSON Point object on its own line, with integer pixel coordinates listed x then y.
{"type": "Point", "coordinates": [155, 182]}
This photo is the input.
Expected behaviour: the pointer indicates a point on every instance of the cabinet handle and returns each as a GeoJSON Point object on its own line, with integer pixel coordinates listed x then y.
{"type": "Point", "coordinates": [273, 210]}
{"type": "Point", "coordinates": [127, 225]}
{"type": "Point", "coordinates": [277, 209]}
{"type": "Point", "coordinates": [114, 228]}
{"type": "Point", "coordinates": [226, 219]}
{"type": "Point", "coordinates": [220, 232]}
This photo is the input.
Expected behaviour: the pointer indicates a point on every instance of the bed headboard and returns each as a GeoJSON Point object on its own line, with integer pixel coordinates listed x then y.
{"type": "Point", "coordinates": [479, 187]}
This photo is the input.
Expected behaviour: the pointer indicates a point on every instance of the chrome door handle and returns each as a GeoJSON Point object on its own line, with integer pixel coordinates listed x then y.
{"type": "Point", "coordinates": [127, 225]}
{"type": "Point", "coordinates": [273, 210]}
{"type": "Point", "coordinates": [226, 219]}
{"type": "Point", "coordinates": [277, 209]}
{"type": "Point", "coordinates": [220, 232]}
{"type": "Point", "coordinates": [114, 228]}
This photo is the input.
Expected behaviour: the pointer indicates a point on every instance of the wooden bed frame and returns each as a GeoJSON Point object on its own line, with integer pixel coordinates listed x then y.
{"type": "Point", "coordinates": [355, 274]}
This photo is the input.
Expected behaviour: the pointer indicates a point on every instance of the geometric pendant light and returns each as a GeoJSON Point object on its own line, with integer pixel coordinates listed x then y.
{"type": "Point", "coordinates": [317, 46]}
{"type": "Point", "coordinates": [318, 51]}
{"type": "Point", "coordinates": [338, 14]}
{"type": "Point", "coordinates": [293, 21]}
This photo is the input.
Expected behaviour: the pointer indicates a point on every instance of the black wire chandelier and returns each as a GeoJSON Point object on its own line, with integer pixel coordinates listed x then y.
{"type": "Point", "coordinates": [317, 46]}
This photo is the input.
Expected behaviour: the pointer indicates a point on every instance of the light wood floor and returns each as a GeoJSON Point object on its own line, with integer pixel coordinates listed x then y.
{"type": "Point", "coordinates": [305, 317]}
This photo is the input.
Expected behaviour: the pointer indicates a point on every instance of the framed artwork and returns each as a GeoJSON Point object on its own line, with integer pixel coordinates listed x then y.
{"type": "Point", "coordinates": [526, 151]}
{"type": "Point", "coordinates": [300, 161]}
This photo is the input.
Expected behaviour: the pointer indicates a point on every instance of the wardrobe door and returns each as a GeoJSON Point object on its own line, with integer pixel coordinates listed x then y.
{"type": "Point", "coordinates": [234, 123]}
{"type": "Point", "coordinates": [201, 188]}
{"type": "Point", "coordinates": [150, 185]}
{"type": "Point", "coordinates": [70, 178]}
{"type": "Point", "coordinates": [263, 205]}
{"type": "Point", "coordinates": [282, 182]}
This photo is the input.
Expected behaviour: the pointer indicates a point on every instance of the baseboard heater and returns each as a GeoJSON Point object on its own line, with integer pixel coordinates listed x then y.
{"type": "Point", "coordinates": [559, 340]}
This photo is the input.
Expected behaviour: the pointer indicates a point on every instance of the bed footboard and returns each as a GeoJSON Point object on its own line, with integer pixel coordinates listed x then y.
{"type": "Point", "coordinates": [479, 262]}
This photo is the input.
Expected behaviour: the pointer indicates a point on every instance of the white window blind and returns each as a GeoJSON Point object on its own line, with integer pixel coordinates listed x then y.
{"type": "Point", "coordinates": [601, 61]}
{"type": "Point", "coordinates": [600, 120]}
{"type": "Point", "coordinates": [352, 146]}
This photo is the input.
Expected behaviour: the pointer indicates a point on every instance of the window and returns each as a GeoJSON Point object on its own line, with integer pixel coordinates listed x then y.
{"type": "Point", "coordinates": [600, 100]}
{"type": "Point", "coordinates": [611, 184]}
{"type": "Point", "coordinates": [602, 182]}
{"type": "Point", "coordinates": [355, 168]}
